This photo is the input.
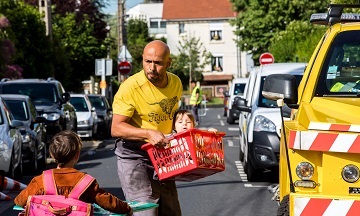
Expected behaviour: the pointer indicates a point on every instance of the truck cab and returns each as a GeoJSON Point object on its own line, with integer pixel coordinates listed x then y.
{"type": "Point", "coordinates": [320, 144]}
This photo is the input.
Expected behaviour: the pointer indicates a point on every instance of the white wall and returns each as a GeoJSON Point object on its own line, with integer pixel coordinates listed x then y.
{"type": "Point", "coordinates": [226, 47]}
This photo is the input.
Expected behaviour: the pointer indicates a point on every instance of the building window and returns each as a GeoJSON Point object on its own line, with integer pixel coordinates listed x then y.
{"type": "Point", "coordinates": [154, 24]}
{"type": "Point", "coordinates": [217, 63]}
{"type": "Point", "coordinates": [162, 24]}
{"type": "Point", "coordinates": [216, 35]}
{"type": "Point", "coordinates": [181, 28]}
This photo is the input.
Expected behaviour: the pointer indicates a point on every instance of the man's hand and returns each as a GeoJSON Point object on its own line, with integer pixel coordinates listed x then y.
{"type": "Point", "coordinates": [157, 138]}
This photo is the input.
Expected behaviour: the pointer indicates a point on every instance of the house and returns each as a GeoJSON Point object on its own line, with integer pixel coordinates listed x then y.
{"type": "Point", "coordinates": [209, 21]}
{"type": "Point", "coordinates": [151, 14]}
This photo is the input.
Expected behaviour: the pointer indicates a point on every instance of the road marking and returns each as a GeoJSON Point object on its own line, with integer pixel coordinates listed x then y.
{"type": "Point", "coordinates": [233, 129]}
{"type": "Point", "coordinates": [218, 116]}
{"type": "Point", "coordinates": [230, 143]}
{"type": "Point", "coordinates": [222, 123]}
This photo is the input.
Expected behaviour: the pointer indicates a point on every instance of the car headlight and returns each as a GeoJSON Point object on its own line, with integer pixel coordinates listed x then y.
{"type": "Point", "coordinates": [264, 124]}
{"type": "Point", "coordinates": [304, 170]}
{"type": "Point", "coordinates": [51, 116]}
{"type": "Point", "coordinates": [85, 122]}
{"type": "Point", "coordinates": [350, 173]}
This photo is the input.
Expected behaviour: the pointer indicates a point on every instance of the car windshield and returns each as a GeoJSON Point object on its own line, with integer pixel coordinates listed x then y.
{"type": "Point", "coordinates": [40, 93]}
{"type": "Point", "coordinates": [80, 104]}
{"type": "Point", "coordinates": [263, 102]}
{"type": "Point", "coordinates": [340, 74]}
{"type": "Point", "coordinates": [98, 103]}
{"type": "Point", "coordinates": [239, 88]}
{"type": "Point", "coordinates": [18, 109]}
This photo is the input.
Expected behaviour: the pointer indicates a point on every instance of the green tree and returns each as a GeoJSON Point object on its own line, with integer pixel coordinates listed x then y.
{"type": "Point", "coordinates": [27, 32]}
{"type": "Point", "coordinates": [297, 42]}
{"type": "Point", "coordinates": [259, 21]}
{"type": "Point", "coordinates": [191, 60]}
{"type": "Point", "coordinates": [80, 46]}
{"type": "Point", "coordinates": [137, 37]}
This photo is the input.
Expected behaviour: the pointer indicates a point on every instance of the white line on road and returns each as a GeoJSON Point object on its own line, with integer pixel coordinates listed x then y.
{"type": "Point", "coordinates": [222, 123]}
{"type": "Point", "coordinates": [231, 143]}
{"type": "Point", "coordinates": [233, 129]}
{"type": "Point", "coordinates": [243, 176]}
{"type": "Point", "coordinates": [218, 116]}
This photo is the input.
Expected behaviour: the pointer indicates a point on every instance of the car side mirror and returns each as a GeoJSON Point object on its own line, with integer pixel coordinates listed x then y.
{"type": "Point", "coordinates": [65, 97]}
{"type": "Point", "coordinates": [281, 86]}
{"type": "Point", "coordinates": [240, 104]}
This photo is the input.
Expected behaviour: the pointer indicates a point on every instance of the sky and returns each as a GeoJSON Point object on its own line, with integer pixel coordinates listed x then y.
{"type": "Point", "coordinates": [113, 5]}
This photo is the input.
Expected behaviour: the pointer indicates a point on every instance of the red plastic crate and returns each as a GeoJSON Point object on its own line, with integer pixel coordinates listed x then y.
{"type": "Point", "coordinates": [193, 154]}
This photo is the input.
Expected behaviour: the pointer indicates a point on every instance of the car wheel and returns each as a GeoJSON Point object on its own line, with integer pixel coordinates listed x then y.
{"type": "Point", "coordinates": [33, 163]}
{"type": "Point", "coordinates": [251, 172]}
{"type": "Point", "coordinates": [15, 172]}
{"type": "Point", "coordinates": [283, 209]}
{"type": "Point", "coordinates": [230, 120]}
{"type": "Point", "coordinates": [42, 160]}
{"type": "Point", "coordinates": [241, 155]}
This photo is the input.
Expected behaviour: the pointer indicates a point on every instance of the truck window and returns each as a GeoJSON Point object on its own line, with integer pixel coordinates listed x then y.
{"type": "Point", "coordinates": [340, 74]}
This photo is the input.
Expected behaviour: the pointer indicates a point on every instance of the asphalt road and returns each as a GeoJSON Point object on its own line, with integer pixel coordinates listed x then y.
{"type": "Point", "coordinates": [225, 193]}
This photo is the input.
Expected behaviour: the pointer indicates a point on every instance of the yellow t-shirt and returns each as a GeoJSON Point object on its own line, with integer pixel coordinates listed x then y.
{"type": "Point", "coordinates": [148, 106]}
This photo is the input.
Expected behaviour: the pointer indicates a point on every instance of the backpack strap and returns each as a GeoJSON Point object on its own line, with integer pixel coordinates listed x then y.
{"type": "Point", "coordinates": [81, 186]}
{"type": "Point", "coordinates": [49, 182]}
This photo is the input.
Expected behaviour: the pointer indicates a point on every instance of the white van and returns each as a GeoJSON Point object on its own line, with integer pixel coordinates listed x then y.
{"type": "Point", "coordinates": [236, 89]}
{"type": "Point", "coordinates": [260, 120]}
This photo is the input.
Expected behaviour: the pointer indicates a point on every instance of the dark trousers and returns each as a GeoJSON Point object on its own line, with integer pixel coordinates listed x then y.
{"type": "Point", "coordinates": [194, 110]}
{"type": "Point", "coordinates": [138, 184]}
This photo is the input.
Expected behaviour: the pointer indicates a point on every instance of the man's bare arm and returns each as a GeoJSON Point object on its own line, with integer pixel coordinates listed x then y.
{"type": "Point", "coordinates": [120, 128]}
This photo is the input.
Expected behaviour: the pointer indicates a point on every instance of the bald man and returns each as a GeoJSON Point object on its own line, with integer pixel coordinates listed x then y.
{"type": "Point", "coordinates": [143, 110]}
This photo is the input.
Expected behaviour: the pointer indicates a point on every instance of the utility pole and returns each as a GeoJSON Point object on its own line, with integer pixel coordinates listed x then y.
{"type": "Point", "coordinates": [45, 11]}
{"type": "Point", "coordinates": [121, 22]}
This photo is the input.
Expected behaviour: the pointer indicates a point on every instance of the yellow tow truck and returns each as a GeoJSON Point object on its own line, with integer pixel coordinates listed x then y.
{"type": "Point", "coordinates": [320, 144]}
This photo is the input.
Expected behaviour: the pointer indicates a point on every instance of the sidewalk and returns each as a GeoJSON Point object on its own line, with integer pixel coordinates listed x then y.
{"type": "Point", "coordinates": [5, 205]}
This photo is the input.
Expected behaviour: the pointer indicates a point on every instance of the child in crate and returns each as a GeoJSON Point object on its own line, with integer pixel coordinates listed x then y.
{"type": "Point", "coordinates": [184, 120]}
{"type": "Point", "coordinates": [65, 149]}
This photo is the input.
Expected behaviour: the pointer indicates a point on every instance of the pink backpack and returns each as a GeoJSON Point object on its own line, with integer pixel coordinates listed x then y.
{"type": "Point", "coordinates": [53, 204]}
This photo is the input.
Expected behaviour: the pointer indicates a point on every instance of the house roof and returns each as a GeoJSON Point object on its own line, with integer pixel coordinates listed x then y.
{"type": "Point", "coordinates": [217, 77]}
{"type": "Point", "coordinates": [197, 9]}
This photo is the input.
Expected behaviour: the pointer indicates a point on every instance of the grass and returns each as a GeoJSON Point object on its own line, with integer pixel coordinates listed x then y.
{"type": "Point", "coordinates": [215, 101]}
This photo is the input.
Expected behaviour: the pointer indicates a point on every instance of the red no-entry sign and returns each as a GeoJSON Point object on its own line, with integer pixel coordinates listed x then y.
{"type": "Point", "coordinates": [124, 67]}
{"type": "Point", "coordinates": [266, 58]}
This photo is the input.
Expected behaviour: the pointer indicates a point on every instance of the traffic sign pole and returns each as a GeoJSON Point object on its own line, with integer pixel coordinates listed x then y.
{"type": "Point", "coordinates": [103, 74]}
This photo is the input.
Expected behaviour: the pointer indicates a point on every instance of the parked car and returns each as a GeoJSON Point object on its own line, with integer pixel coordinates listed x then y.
{"type": "Point", "coordinates": [104, 113]}
{"type": "Point", "coordinates": [236, 89]}
{"type": "Point", "coordinates": [86, 115]}
{"type": "Point", "coordinates": [10, 143]}
{"type": "Point", "coordinates": [33, 133]}
{"type": "Point", "coordinates": [260, 120]}
{"type": "Point", "coordinates": [50, 99]}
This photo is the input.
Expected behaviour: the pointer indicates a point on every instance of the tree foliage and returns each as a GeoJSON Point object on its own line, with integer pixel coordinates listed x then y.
{"type": "Point", "coordinates": [260, 21]}
{"type": "Point", "coordinates": [297, 42]}
{"type": "Point", "coordinates": [137, 37]}
{"type": "Point", "coordinates": [27, 33]}
{"type": "Point", "coordinates": [191, 60]}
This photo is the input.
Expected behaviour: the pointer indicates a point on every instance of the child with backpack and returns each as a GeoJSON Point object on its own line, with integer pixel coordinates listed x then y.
{"type": "Point", "coordinates": [65, 148]}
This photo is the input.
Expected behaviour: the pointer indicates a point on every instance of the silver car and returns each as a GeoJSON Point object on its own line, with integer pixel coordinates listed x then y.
{"type": "Point", "coordinates": [86, 115]}
{"type": "Point", "coordinates": [10, 143]}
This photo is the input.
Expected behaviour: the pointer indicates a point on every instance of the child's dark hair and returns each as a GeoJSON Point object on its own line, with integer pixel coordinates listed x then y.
{"type": "Point", "coordinates": [180, 113]}
{"type": "Point", "coordinates": [64, 146]}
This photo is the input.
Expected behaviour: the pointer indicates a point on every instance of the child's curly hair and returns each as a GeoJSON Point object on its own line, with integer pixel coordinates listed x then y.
{"type": "Point", "coordinates": [64, 146]}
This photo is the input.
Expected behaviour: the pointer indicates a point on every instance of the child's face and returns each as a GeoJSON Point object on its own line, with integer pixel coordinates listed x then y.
{"type": "Point", "coordinates": [183, 123]}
